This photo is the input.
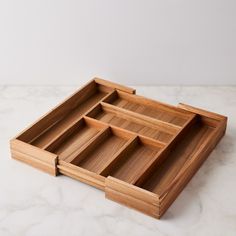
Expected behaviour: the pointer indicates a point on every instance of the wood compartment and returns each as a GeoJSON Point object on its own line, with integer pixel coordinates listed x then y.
{"type": "Point", "coordinates": [133, 161]}
{"type": "Point", "coordinates": [68, 145]}
{"type": "Point", "coordinates": [98, 154]}
{"type": "Point", "coordinates": [181, 155]}
{"type": "Point", "coordinates": [65, 115]}
{"type": "Point", "coordinates": [153, 192]}
{"type": "Point", "coordinates": [114, 117]}
{"type": "Point", "coordinates": [150, 108]}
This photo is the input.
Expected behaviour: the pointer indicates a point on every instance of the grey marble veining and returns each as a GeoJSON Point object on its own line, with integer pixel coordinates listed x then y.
{"type": "Point", "coordinates": [34, 203]}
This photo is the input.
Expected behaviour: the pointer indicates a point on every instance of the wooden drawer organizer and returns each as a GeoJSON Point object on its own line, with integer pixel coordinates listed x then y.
{"type": "Point", "coordinates": [140, 152]}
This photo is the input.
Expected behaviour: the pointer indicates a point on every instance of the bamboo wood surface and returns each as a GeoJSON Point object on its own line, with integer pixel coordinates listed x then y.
{"type": "Point", "coordinates": [141, 152]}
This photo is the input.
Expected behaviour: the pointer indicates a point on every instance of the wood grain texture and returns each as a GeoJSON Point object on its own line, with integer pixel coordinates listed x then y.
{"type": "Point", "coordinates": [133, 162]}
{"type": "Point", "coordinates": [65, 123]}
{"type": "Point", "coordinates": [141, 152]}
{"type": "Point", "coordinates": [101, 153]}
{"type": "Point", "coordinates": [179, 156]}
{"type": "Point", "coordinates": [149, 107]}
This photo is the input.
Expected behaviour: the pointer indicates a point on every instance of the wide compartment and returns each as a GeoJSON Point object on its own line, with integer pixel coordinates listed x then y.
{"type": "Point", "coordinates": [132, 163]}
{"type": "Point", "coordinates": [180, 156]}
{"type": "Point", "coordinates": [68, 145]}
{"type": "Point", "coordinates": [102, 151]}
{"type": "Point", "coordinates": [153, 190]}
{"type": "Point", "coordinates": [127, 122]}
{"type": "Point", "coordinates": [69, 113]}
{"type": "Point", "coordinates": [150, 108]}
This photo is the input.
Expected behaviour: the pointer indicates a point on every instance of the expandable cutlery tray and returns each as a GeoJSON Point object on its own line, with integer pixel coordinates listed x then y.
{"type": "Point", "coordinates": [139, 151]}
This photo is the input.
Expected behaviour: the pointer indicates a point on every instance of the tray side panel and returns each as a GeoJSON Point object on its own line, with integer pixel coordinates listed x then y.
{"type": "Point", "coordinates": [179, 185]}
{"type": "Point", "coordinates": [34, 156]}
{"type": "Point", "coordinates": [132, 196]}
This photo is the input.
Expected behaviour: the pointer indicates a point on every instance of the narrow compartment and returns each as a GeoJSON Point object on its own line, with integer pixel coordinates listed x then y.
{"type": "Point", "coordinates": [69, 144]}
{"type": "Point", "coordinates": [99, 153]}
{"type": "Point", "coordinates": [93, 94]}
{"type": "Point", "coordinates": [132, 162]}
{"type": "Point", "coordinates": [180, 155]}
{"type": "Point", "coordinates": [130, 123]}
{"type": "Point", "coordinates": [149, 108]}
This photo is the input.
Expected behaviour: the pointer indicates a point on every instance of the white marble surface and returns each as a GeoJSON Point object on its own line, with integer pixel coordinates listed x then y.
{"type": "Point", "coordinates": [34, 203]}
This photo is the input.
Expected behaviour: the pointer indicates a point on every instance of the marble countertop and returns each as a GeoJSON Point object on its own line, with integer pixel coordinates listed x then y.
{"type": "Point", "coordinates": [34, 203]}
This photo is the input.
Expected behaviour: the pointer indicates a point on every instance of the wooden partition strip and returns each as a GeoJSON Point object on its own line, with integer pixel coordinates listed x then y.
{"type": "Point", "coordinates": [155, 123]}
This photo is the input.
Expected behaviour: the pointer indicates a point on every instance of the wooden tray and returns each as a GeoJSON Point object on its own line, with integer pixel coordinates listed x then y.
{"type": "Point", "coordinates": [141, 152]}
